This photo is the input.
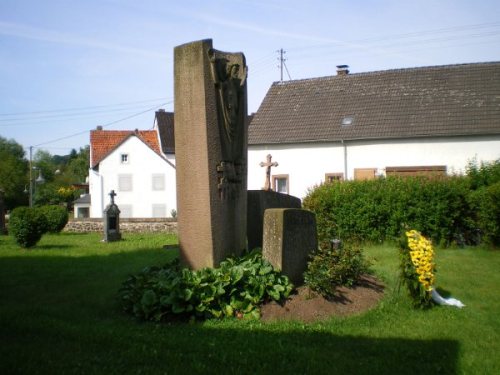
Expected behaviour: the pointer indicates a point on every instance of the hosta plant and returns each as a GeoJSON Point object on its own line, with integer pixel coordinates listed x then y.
{"type": "Point", "coordinates": [236, 288]}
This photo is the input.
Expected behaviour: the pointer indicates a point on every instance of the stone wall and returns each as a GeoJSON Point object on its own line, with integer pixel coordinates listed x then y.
{"type": "Point", "coordinates": [126, 226]}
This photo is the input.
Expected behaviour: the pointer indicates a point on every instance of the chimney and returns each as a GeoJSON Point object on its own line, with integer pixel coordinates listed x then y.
{"type": "Point", "coordinates": [342, 70]}
{"type": "Point", "coordinates": [161, 110]}
{"type": "Point", "coordinates": [99, 127]}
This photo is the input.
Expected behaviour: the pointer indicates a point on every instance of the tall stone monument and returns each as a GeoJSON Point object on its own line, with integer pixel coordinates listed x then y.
{"type": "Point", "coordinates": [211, 152]}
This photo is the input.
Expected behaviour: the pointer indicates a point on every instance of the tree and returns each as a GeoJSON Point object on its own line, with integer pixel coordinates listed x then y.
{"type": "Point", "coordinates": [13, 173]}
{"type": "Point", "coordinates": [60, 174]}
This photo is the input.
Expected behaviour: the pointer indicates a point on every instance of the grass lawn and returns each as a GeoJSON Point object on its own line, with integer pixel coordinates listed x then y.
{"type": "Point", "coordinates": [59, 315]}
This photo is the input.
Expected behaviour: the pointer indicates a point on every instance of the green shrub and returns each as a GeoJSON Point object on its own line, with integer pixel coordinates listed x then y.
{"type": "Point", "coordinates": [332, 267]}
{"type": "Point", "coordinates": [486, 203]}
{"type": "Point", "coordinates": [378, 210]}
{"type": "Point", "coordinates": [27, 225]}
{"type": "Point", "coordinates": [484, 174]}
{"type": "Point", "coordinates": [57, 218]}
{"type": "Point", "coordinates": [236, 288]}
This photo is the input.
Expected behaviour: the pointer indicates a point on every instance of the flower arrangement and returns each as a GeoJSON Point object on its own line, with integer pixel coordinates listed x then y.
{"type": "Point", "coordinates": [418, 268]}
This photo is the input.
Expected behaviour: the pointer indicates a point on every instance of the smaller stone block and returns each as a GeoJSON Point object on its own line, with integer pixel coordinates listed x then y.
{"type": "Point", "coordinates": [258, 202]}
{"type": "Point", "coordinates": [289, 237]}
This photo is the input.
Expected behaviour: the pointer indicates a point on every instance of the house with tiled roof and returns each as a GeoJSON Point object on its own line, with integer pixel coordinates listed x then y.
{"type": "Point", "coordinates": [131, 163]}
{"type": "Point", "coordinates": [359, 126]}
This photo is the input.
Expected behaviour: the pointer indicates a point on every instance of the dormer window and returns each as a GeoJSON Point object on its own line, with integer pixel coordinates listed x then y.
{"type": "Point", "coordinates": [124, 158]}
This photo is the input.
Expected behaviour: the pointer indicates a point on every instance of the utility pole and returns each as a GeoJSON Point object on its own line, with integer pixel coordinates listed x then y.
{"type": "Point", "coordinates": [31, 176]}
{"type": "Point", "coordinates": [282, 62]}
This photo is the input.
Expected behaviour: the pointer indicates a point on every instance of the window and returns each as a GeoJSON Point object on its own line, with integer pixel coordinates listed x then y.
{"type": "Point", "coordinates": [280, 183]}
{"type": "Point", "coordinates": [83, 212]}
{"type": "Point", "coordinates": [364, 173]}
{"type": "Point", "coordinates": [158, 182]}
{"type": "Point", "coordinates": [332, 177]}
{"type": "Point", "coordinates": [124, 182]}
{"type": "Point", "coordinates": [433, 170]}
{"type": "Point", "coordinates": [159, 210]}
{"type": "Point", "coordinates": [124, 158]}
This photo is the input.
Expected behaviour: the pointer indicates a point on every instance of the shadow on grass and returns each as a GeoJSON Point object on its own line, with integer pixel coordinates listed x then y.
{"type": "Point", "coordinates": [52, 247]}
{"type": "Point", "coordinates": [69, 324]}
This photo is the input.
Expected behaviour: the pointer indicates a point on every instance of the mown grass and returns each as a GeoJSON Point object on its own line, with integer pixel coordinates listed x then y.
{"type": "Point", "coordinates": [59, 315]}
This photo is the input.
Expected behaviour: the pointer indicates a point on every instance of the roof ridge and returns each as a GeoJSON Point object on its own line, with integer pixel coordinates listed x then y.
{"type": "Point", "coordinates": [377, 72]}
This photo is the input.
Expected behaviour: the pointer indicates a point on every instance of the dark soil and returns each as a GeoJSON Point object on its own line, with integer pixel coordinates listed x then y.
{"type": "Point", "coordinates": [307, 306]}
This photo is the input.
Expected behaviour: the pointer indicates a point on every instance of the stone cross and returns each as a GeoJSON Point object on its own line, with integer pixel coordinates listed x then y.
{"type": "Point", "coordinates": [268, 164]}
{"type": "Point", "coordinates": [112, 195]}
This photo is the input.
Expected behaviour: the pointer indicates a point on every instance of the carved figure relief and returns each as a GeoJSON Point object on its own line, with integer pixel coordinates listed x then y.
{"type": "Point", "coordinates": [229, 73]}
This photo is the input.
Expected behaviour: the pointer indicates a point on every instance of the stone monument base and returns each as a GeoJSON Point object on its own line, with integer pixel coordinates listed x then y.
{"type": "Point", "coordinates": [258, 202]}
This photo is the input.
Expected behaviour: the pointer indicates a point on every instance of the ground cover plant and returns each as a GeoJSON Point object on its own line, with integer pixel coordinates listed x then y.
{"type": "Point", "coordinates": [234, 289]}
{"type": "Point", "coordinates": [59, 314]}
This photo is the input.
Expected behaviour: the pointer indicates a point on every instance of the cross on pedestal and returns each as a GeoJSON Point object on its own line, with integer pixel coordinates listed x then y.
{"type": "Point", "coordinates": [268, 164]}
{"type": "Point", "coordinates": [112, 195]}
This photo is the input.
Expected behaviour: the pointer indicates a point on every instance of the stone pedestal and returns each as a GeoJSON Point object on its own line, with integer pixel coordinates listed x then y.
{"type": "Point", "coordinates": [211, 153]}
{"type": "Point", "coordinates": [289, 238]}
{"type": "Point", "coordinates": [258, 202]}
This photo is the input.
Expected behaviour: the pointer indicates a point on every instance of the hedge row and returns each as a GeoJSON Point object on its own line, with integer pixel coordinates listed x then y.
{"type": "Point", "coordinates": [27, 225]}
{"type": "Point", "coordinates": [444, 209]}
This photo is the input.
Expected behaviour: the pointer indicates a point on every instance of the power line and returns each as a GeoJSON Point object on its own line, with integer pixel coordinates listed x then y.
{"type": "Point", "coordinates": [62, 117]}
{"type": "Point", "coordinates": [80, 108]}
{"type": "Point", "coordinates": [105, 125]}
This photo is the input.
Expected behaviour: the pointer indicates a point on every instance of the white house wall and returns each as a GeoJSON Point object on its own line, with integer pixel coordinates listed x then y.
{"type": "Point", "coordinates": [142, 200]}
{"type": "Point", "coordinates": [307, 164]}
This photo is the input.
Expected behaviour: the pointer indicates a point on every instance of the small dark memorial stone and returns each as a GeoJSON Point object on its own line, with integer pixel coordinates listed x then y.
{"type": "Point", "coordinates": [112, 220]}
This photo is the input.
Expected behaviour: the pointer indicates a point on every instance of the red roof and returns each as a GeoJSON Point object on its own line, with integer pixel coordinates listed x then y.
{"type": "Point", "coordinates": [103, 142]}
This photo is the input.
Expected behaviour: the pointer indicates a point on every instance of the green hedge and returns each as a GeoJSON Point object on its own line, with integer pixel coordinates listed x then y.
{"type": "Point", "coordinates": [485, 203]}
{"type": "Point", "coordinates": [27, 225]}
{"type": "Point", "coordinates": [380, 209]}
{"type": "Point", "coordinates": [57, 218]}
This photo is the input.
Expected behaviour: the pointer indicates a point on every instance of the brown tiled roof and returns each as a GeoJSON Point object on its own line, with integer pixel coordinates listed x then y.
{"type": "Point", "coordinates": [165, 122]}
{"type": "Point", "coordinates": [103, 142]}
{"type": "Point", "coordinates": [419, 102]}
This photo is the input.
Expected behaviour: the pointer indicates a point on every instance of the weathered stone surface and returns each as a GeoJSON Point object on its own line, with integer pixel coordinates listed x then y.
{"type": "Point", "coordinates": [258, 202]}
{"type": "Point", "coordinates": [211, 153]}
{"type": "Point", "coordinates": [289, 237]}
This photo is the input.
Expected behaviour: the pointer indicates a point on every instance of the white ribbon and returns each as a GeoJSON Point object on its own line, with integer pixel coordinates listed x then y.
{"type": "Point", "coordinates": [445, 301]}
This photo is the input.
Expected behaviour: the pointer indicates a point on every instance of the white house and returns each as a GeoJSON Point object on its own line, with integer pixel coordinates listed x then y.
{"type": "Point", "coordinates": [133, 165]}
{"type": "Point", "coordinates": [359, 126]}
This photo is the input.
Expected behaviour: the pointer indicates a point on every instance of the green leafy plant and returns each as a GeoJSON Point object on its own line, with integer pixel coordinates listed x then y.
{"type": "Point", "coordinates": [57, 218]}
{"type": "Point", "coordinates": [27, 225]}
{"type": "Point", "coordinates": [417, 268]}
{"type": "Point", "coordinates": [377, 210]}
{"type": "Point", "coordinates": [332, 267]}
{"type": "Point", "coordinates": [235, 289]}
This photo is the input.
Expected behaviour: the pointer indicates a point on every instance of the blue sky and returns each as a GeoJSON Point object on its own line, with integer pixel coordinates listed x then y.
{"type": "Point", "coordinates": [67, 66]}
